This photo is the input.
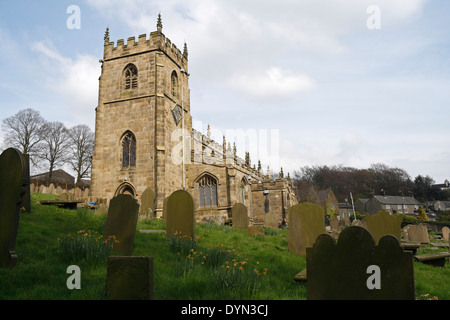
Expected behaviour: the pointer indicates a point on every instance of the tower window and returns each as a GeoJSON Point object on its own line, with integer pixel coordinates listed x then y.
{"type": "Point", "coordinates": [128, 150]}
{"type": "Point", "coordinates": [174, 83]}
{"type": "Point", "coordinates": [130, 76]}
{"type": "Point", "coordinates": [207, 191]}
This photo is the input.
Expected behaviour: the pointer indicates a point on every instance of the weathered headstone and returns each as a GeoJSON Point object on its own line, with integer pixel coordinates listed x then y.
{"type": "Point", "coordinates": [129, 278]}
{"type": "Point", "coordinates": [239, 216]}
{"type": "Point", "coordinates": [58, 190]}
{"type": "Point", "coordinates": [416, 233]}
{"type": "Point", "coordinates": [65, 196]}
{"type": "Point", "coordinates": [147, 207]}
{"type": "Point", "coordinates": [121, 222]}
{"type": "Point", "coordinates": [383, 223]}
{"type": "Point", "coordinates": [180, 215]}
{"type": "Point", "coordinates": [271, 219]}
{"type": "Point", "coordinates": [255, 230]}
{"type": "Point", "coordinates": [445, 233]}
{"type": "Point", "coordinates": [13, 185]}
{"type": "Point", "coordinates": [306, 223]}
{"type": "Point", "coordinates": [101, 210]}
{"type": "Point", "coordinates": [51, 189]}
{"type": "Point", "coordinates": [355, 268]}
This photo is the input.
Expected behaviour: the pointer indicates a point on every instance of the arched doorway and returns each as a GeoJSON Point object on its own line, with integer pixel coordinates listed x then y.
{"type": "Point", "coordinates": [126, 188]}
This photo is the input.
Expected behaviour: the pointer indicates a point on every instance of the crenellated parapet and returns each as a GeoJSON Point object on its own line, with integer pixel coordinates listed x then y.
{"type": "Point", "coordinates": [156, 41]}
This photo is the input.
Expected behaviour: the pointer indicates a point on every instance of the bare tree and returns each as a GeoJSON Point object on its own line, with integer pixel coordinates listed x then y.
{"type": "Point", "coordinates": [24, 131]}
{"type": "Point", "coordinates": [81, 149]}
{"type": "Point", "coordinates": [55, 145]}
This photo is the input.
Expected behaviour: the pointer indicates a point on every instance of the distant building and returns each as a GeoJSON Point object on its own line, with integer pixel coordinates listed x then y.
{"type": "Point", "coordinates": [441, 205]}
{"type": "Point", "coordinates": [392, 204]}
{"type": "Point", "coordinates": [345, 210]}
{"type": "Point", "coordinates": [324, 198]}
{"type": "Point", "coordinates": [442, 186]}
{"type": "Point", "coordinates": [360, 205]}
{"type": "Point", "coordinates": [59, 178]}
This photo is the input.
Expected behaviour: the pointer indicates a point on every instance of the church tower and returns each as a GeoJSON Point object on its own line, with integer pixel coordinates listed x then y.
{"type": "Point", "coordinates": [143, 105]}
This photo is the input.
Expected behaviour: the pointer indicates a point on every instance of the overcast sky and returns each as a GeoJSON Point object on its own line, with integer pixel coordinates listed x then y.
{"type": "Point", "coordinates": [350, 82]}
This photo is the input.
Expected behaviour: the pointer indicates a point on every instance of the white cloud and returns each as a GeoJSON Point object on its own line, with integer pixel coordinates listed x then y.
{"type": "Point", "coordinates": [74, 80]}
{"type": "Point", "coordinates": [274, 82]}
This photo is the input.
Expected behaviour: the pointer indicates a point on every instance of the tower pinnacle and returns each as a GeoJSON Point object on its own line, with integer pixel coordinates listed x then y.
{"type": "Point", "coordinates": [159, 23]}
{"type": "Point", "coordinates": [106, 38]}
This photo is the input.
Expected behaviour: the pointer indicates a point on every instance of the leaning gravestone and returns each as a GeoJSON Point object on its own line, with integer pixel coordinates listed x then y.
{"type": "Point", "coordinates": [147, 204]}
{"type": "Point", "coordinates": [416, 233]}
{"type": "Point", "coordinates": [306, 223]}
{"type": "Point", "coordinates": [180, 215]}
{"type": "Point", "coordinates": [383, 223]}
{"type": "Point", "coordinates": [129, 278]}
{"type": "Point", "coordinates": [239, 216]}
{"type": "Point", "coordinates": [355, 268]}
{"type": "Point", "coordinates": [13, 185]}
{"type": "Point", "coordinates": [121, 222]}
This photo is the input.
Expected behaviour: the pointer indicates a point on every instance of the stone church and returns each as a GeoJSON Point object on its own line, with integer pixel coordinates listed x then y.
{"type": "Point", "coordinates": [144, 139]}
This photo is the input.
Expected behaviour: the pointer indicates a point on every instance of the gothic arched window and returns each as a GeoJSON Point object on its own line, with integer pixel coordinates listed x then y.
{"type": "Point", "coordinates": [128, 150]}
{"type": "Point", "coordinates": [131, 77]}
{"type": "Point", "coordinates": [207, 191]}
{"type": "Point", "coordinates": [174, 83]}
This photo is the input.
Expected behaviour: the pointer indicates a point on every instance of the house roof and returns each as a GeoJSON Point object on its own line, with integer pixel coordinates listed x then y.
{"type": "Point", "coordinates": [58, 175]}
{"type": "Point", "coordinates": [396, 200]}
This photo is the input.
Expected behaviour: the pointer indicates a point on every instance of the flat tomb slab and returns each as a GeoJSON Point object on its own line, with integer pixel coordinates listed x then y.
{"type": "Point", "coordinates": [434, 259]}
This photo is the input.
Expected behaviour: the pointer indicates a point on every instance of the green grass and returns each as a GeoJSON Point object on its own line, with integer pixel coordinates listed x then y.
{"type": "Point", "coordinates": [223, 263]}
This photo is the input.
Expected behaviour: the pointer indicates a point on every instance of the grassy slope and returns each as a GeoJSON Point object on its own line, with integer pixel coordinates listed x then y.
{"type": "Point", "coordinates": [41, 274]}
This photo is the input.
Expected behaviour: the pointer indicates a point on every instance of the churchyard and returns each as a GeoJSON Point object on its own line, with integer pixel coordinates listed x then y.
{"type": "Point", "coordinates": [205, 269]}
{"type": "Point", "coordinates": [52, 252]}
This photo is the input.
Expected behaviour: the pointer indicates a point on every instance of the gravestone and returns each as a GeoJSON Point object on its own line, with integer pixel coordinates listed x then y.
{"type": "Point", "coordinates": [355, 268]}
{"type": "Point", "coordinates": [255, 230]}
{"type": "Point", "coordinates": [416, 233]}
{"type": "Point", "coordinates": [383, 223]}
{"type": "Point", "coordinates": [445, 233]}
{"type": "Point", "coordinates": [306, 223]}
{"type": "Point", "coordinates": [239, 216]}
{"type": "Point", "coordinates": [129, 278]}
{"type": "Point", "coordinates": [180, 215]}
{"type": "Point", "coordinates": [58, 190]}
{"type": "Point", "coordinates": [51, 189]}
{"type": "Point", "coordinates": [101, 210]}
{"type": "Point", "coordinates": [271, 219]}
{"type": "Point", "coordinates": [13, 184]}
{"type": "Point", "coordinates": [121, 222]}
{"type": "Point", "coordinates": [147, 204]}
{"type": "Point", "coordinates": [65, 196]}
